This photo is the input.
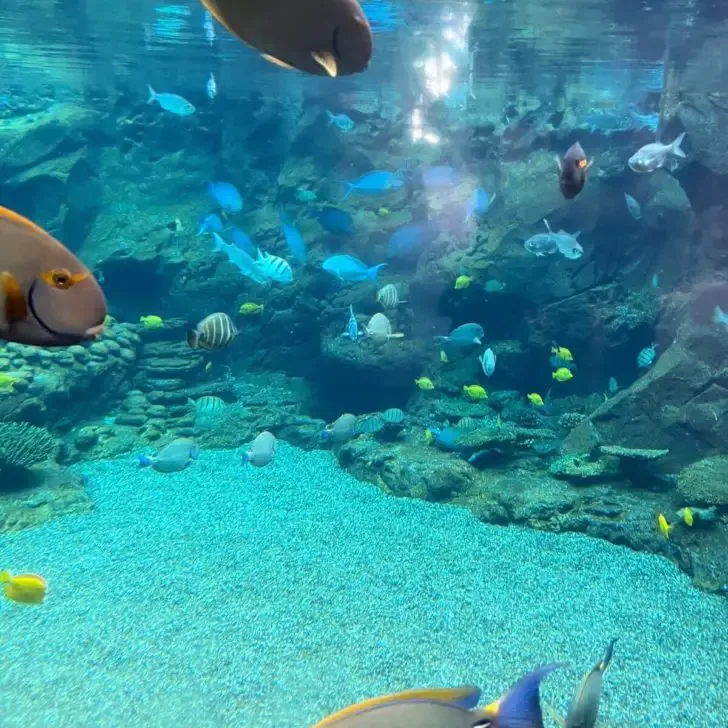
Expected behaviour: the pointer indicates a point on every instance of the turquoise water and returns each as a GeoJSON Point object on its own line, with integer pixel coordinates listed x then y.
{"type": "Point", "coordinates": [226, 595]}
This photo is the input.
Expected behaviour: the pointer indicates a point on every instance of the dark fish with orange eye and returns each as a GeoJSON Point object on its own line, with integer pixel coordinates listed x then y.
{"type": "Point", "coordinates": [572, 171]}
{"type": "Point", "coordinates": [320, 37]}
{"type": "Point", "coordinates": [48, 297]}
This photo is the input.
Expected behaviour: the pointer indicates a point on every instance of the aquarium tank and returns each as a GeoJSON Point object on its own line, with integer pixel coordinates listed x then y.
{"type": "Point", "coordinates": [356, 351]}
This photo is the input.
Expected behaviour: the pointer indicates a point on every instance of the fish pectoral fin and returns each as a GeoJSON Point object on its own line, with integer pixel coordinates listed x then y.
{"type": "Point", "coordinates": [555, 716]}
{"type": "Point", "coordinates": [277, 61]}
{"type": "Point", "coordinates": [16, 307]}
{"type": "Point", "coordinates": [327, 61]}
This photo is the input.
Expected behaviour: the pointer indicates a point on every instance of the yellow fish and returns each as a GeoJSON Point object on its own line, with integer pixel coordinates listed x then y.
{"type": "Point", "coordinates": [462, 282]}
{"type": "Point", "coordinates": [24, 588]}
{"type": "Point", "coordinates": [384, 211]}
{"type": "Point", "coordinates": [535, 399]}
{"type": "Point", "coordinates": [562, 374]}
{"type": "Point", "coordinates": [424, 384]}
{"type": "Point", "coordinates": [7, 382]}
{"type": "Point", "coordinates": [475, 391]}
{"type": "Point", "coordinates": [443, 357]}
{"type": "Point", "coordinates": [151, 322]}
{"type": "Point", "coordinates": [562, 352]}
{"type": "Point", "coordinates": [249, 309]}
{"type": "Point", "coordinates": [663, 525]}
{"type": "Point", "coordinates": [687, 516]}
{"type": "Point", "coordinates": [428, 436]}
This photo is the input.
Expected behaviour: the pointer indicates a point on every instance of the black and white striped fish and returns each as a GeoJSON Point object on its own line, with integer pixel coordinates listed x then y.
{"type": "Point", "coordinates": [274, 268]}
{"type": "Point", "coordinates": [214, 332]}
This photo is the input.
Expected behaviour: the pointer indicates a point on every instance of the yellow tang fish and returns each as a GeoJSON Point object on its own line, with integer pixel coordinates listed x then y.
{"type": "Point", "coordinates": [7, 382]}
{"type": "Point", "coordinates": [428, 436]}
{"type": "Point", "coordinates": [443, 357]}
{"type": "Point", "coordinates": [24, 588]}
{"type": "Point", "coordinates": [424, 384]}
{"type": "Point", "coordinates": [475, 391]}
{"type": "Point", "coordinates": [535, 399]}
{"type": "Point", "coordinates": [250, 309]}
{"type": "Point", "coordinates": [383, 212]}
{"type": "Point", "coordinates": [562, 352]}
{"type": "Point", "coordinates": [687, 515]}
{"type": "Point", "coordinates": [151, 322]}
{"type": "Point", "coordinates": [562, 374]}
{"type": "Point", "coordinates": [462, 282]}
{"type": "Point", "coordinates": [663, 525]}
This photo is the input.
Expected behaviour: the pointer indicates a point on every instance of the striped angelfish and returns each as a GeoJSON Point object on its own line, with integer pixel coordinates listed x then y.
{"type": "Point", "coordinates": [274, 268]}
{"type": "Point", "coordinates": [214, 332]}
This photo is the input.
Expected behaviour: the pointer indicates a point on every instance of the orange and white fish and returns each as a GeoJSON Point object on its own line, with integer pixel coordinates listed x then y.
{"type": "Point", "coordinates": [320, 37]}
{"type": "Point", "coordinates": [24, 588]}
{"type": "Point", "coordinates": [48, 297]}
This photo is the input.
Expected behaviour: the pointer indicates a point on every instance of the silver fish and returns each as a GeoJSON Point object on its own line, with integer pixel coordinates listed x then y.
{"type": "Point", "coordinates": [320, 37]}
{"type": "Point", "coordinates": [214, 332]}
{"type": "Point", "coordinates": [655, 155]}
{"type": "Point", "coordinates": [261, 450]}
{"type": "Point", "coordinates": [173, 457]}
{"type": "Point", "coordinates": [633, 206]}
{"type": "Point", "coordinates": [343, 429]}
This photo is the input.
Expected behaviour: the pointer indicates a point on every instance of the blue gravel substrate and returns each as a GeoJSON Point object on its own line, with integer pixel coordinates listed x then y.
{"type": "Point", "coordinates": [228, 596]}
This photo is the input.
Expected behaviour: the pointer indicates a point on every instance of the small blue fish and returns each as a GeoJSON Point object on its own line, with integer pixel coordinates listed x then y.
{"type": "Point", "coordinates": [487, 362]}
{"type": "Point", "coordinates": [647, 356]}
{"type": "Point", "coordinates": [211, 87]}
{"type": "Point", "coordinates": [720, 317]}
{"type": "Point", "coordinates": [374, 183]}
{"type": "Point", "coordinates": [408, 241]}
{"type": "Point", "coordinates": [478, 204]}
{"type": "Point", "coordinates": [274, 268]}
{"type": "Point", "coordinates": [171, 102]}
{"type": "Point", "coordinates": [352, 326]}
{"type": "Point", "coordinates": [440, 177]}
{"type": "Point", "coordinates": [243, 241]}
{"type": "Point", "coordinates": [463, 336]}
{"type": "Point", "coordinates": [633, 206]}
{"type": "Point", "coordinates": [226, 195]}
{"type": "Point", "coordinates": [210, 224]}
{"type": "Point", "coordinates": [342, 121]}
{"type": "Point", "coordinates": [448, 438]}
{"type": "Point", "coordinates": [173, 457]}
{"type": "Point", "coordinates": [293, 238]}
{"type": "Point", "coordinates": [349, 269]}
{"type": "Point", "coordinates": [336, 221]}
{"type": "Point", "coordinates": [240, 259]}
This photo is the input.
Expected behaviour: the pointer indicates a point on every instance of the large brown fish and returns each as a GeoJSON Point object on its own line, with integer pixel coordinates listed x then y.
{"type": "Point", "coordinates": [48, 297]}
{"type": "Point", "coordinates": [320, 37]}
{"type": "Point", "coordinates": [584, 709]}
{"type": "Point", "coordinates": [572, 171]}
{"type": "Point", "coordinates": [448, 708]}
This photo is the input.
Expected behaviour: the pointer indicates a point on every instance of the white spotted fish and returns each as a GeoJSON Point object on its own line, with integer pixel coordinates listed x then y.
{"type": "Point", "coordinates": [215, 331]}
{"type": "Point", "coordinates": [261, 450]}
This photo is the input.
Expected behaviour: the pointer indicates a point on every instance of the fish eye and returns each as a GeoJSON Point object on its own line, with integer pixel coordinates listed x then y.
{"type": "Point", "coordinates": [61, 278]}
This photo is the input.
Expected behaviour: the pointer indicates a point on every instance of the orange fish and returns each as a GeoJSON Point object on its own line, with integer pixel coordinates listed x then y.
{"type": "Point", "coordinates": [23, 588]}
{"type": "Point", "coordinates": [48, 297]}
{"type": "Point", "coordinates": [320, 37]}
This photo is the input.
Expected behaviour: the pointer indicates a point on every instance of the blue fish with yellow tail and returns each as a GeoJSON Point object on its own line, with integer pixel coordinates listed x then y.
{"type": "Point", "coordinates": [448, 708]}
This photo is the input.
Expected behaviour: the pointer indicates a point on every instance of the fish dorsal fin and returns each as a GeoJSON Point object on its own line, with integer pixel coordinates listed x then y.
{"type": "Point", "coordinates": [22, 221]}
{"type": "Point", "coordinates": [465, 697]}
{"type": "Point", "coordinates": [327, 61]}
{"type": "Point", "coordinates": [277, 61]}
{"type": "Point", "coordinates": [555, 717]}
{"type": "Point", "coordinates": [546, 223]}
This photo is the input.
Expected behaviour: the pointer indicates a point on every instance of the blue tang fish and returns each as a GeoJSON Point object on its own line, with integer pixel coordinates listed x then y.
{"type": "Point", "coordinates": [173, 457]}
{"type": "Point", "coordinates": [226, 195]}
{"type": "Point", "coordinates": [240, 259]}
{"type": "Point", "coordinates": [440, 177]}
{"type": "Point", "coordinates": [520, 707]}
{"type": "Point", "coordinates": [336, 221]}
{"type": "Point", "coordinates": [293, 238]}
{"type": "Point", "coordinates": [342, 121]}
{"type": "Point", "coordinates": [374, 183]}
{"type": "Point", "coordinates": [210, 224]}
{"type": "Point", "coordinates": [171, 102]}
{"type": "Point", "coordinates": [478, 204]}
{"type": "Point", "coordinates": [243, 241]}
{"type": "Point", "coordinates": [350, 269]}
{"type": "Point", "coordinates": [408, 241]}
{"type": "Point", "coordinates": [447, 438]}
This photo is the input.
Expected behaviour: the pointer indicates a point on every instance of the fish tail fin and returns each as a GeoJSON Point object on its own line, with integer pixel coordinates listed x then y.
{"type": "Point", "coordinates": [374, 271]}
{"type": "Point", "coordinates": [152, 95]}
{"type": "Point", "coordinates": [193, 339]}
{"type": "Point", "coordinates": [546, 223]}
{"type": "Point", "coordinates": [349, 190]}
{"type": "Point", "coordinates": [604, 663]}
{"type": "Point", "coordinates": [5, 576]}
{"type": "Point", "coordinates": [555, 717]}
{"type": "Point", "coordinates": [675, 146]}
{"type": "Point", "coordinates": [144, 461]}
{"type": "Point", "coordinates": [520, 707]}
{"type": "Point", "coordinates": [719, 316]}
